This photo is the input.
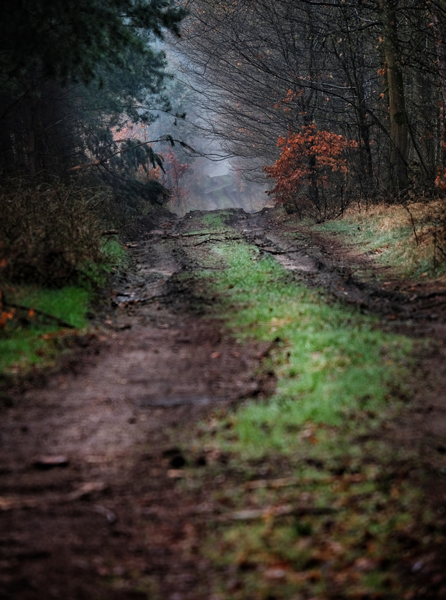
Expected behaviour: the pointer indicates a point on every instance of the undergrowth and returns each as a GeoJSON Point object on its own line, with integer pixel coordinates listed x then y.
{"type": "Point", "coordinates": [410, 239]}
{"type": "Point", "coordinates": [35, 336]}
{"type": "Point", "coordinates": [53, 259]}
{"type": "Point", "coordinates": [49, 231]}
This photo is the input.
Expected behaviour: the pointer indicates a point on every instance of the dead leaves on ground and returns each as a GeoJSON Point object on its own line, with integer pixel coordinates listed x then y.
{"type": "Point", "coordinates": [353, 527]}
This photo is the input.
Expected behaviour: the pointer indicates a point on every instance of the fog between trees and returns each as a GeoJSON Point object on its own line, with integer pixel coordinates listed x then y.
{"type": "Point", "coordinates": [83, 83]}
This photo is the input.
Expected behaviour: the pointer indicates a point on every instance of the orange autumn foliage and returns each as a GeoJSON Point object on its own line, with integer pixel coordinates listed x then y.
{"type": "Point", "coordinates": [307, 158]}
{"type": "Point", "coordinates": [5, 314]}
{"type": "Point", "coordinates": [440, 180]}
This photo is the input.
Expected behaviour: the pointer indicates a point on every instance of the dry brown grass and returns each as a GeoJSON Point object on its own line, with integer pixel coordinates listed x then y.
{"type": "Point", "coordinates": [410, 237]}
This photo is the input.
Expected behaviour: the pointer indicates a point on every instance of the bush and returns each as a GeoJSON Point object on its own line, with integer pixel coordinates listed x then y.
{"type": "Point", "coordinates": [48, 231]}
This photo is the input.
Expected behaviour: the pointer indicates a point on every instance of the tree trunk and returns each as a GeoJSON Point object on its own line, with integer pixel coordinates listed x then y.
{"type": "Point", "coordinates": [31, 149]}
{"type": "Point", "coordinates": [399, 131]}
{"type": "Point", "coordinates": [441, 58]}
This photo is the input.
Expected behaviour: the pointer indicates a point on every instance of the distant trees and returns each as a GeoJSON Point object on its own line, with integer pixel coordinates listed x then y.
{"type": "Point", "coordinates": [373, 72]}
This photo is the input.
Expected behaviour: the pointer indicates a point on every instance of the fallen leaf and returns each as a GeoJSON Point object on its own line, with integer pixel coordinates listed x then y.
{"type": "Point", "coordinates": [365, 564]}
{"type": "Point", "coordinates": [175, 473]}
{"type": "Point", "coordinates": [275, 574]}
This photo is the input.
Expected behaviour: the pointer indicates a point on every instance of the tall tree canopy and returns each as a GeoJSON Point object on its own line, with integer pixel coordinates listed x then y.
{"type": "Point", "coordinates": [72, 74]}
{"type": "Point", "coordinates": [70, 41]}
{"type": "Point", "coordinates": [372, 71]}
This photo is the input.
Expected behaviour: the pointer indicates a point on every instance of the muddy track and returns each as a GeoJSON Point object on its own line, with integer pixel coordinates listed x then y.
{"type": "Point", "coordinates": [322, 261]}
{"type": "Point", "coordinates": [90, 505]}
{"type": "Point", "coordinates": [91, 502]}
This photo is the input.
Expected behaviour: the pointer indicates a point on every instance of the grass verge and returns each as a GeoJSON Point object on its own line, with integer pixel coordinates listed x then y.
{"type": "Point", "coordinates": [28, 338]}
{"type": "Point", "coordinates": [329, 360]}
{"type": "Point", "coordinates": [311, 496]}
{"type": "Point", "coordinates": [411, 239]}
{"type": "Point", "coordinates": [34, 334]}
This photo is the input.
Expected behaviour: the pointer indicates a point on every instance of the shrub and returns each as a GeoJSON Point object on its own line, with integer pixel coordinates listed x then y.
{"type": "Point", "coordinates": [48, 231]}
{"type": "Point", "coordinates": [311, 173]}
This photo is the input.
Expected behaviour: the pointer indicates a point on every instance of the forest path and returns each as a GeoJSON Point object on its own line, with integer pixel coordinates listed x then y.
{"type": "Point", "coordinates": [90, 504]}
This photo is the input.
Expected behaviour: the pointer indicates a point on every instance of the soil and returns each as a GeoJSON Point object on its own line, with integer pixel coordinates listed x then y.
{"type": "Point", "coordinates": [91, 501]}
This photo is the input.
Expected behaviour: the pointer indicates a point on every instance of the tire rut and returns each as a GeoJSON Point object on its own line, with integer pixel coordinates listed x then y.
{"type": "Point", "coordinates": [317, 261]}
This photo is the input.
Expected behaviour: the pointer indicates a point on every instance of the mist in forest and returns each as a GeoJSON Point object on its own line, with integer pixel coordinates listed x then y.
{"type": "Point", "coordinates": [210, 185]}
{"type": "Point", "coordinates": [204, 175]}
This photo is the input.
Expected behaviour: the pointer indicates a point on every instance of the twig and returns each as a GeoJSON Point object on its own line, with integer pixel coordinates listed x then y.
{"type": "Point", "coordinates": [215, 240]}
{"type": "Point", "coordinates": [431, 295]}
{"type": "Point", "coordinates": [102, 161]}
{"type": "Point", "coordinates": [42, 313]}
{"type": "Point", "coordinates": [83, 492]}
{"type": "Point", "coordinates": [105, 512]}
{"type": "Point", "coordinates": [278, 511]}
{"type": "Point", "coordinates": [413, 223]}
{"type": "Point", "coordinates": [300, 481]}
{"type": "Point", "coordinates": [206, 233]}
{"type": "Point", "coordinates": [276, 252]}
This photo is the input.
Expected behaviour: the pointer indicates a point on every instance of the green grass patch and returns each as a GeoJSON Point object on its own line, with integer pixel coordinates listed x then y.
{"type": "Point", "coordinates": [113, 252]}
{"type": "Point", "coordinates": [29, 338]}
{"type": "Point", "coordinates": [213, 221]}
{"type": "Point", "coordinates": [329, 360]}
{"type": "Point", "coordinates": [113, 256]}
{"type": "Point", "coordinates": [68, 303]}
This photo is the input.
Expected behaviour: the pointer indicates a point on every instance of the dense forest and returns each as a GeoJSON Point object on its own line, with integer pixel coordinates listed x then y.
{"type": "Point", "coordinates": [353, 93]}
{"type": "Point", "coordinates": [331, 100]}
{"type": "Point", "coordinates": [73, 77]}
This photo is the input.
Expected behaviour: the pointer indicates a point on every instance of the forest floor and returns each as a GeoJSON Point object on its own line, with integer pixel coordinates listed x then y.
{"type": "Point", "coordinates": [93, 502]}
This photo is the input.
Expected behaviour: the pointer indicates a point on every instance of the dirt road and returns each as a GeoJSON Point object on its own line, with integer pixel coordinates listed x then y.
{"type": "Point", "coordinates": [91, 501]}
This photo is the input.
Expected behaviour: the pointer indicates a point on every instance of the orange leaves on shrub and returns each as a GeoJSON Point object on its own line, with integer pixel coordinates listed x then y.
{"type": "Point", "coordinates": [5, 314]}
{"type": "Point", "coordinates": [307, 156]}
{"type": "Point", "coordinates": [289, 98]}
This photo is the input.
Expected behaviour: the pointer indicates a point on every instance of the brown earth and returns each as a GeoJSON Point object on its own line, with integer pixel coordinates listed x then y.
{"type": "Point", "coordinates": [91, 502]}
